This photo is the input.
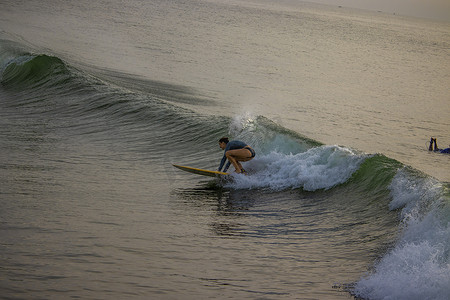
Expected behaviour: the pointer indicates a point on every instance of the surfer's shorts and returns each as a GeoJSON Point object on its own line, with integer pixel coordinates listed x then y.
{"type": "Point", "coordinates": [251, 150]}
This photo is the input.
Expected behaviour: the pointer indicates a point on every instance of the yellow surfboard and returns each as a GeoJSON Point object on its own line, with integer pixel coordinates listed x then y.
{"type": "Point", "coordinates": [201, 171]}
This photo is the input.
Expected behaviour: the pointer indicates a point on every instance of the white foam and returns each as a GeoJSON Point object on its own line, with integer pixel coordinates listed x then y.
{"type": "Point", "coordinates": [318, 168]}
{"type": "Point", "coordinates": [418, 266]}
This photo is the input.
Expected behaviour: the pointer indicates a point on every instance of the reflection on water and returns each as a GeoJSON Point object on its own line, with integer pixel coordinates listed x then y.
{"type": "Point", "coordinates": [293, 235]}
{"type": "Point", "coordinates": [229, 206]}
{"type": "Point", "coordinates": [337, 223]}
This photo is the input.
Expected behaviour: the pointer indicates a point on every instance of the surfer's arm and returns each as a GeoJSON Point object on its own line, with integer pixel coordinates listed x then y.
{"type": "Point", "coordinates": [222, 162]}
{"type": "Point", "coordinates": [224, 158]}
{"type": "Point", "coordinates": [227, 166]}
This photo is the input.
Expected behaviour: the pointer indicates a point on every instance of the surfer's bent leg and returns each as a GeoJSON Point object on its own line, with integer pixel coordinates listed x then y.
{"type": "Point", "coordinates": [237, 155]}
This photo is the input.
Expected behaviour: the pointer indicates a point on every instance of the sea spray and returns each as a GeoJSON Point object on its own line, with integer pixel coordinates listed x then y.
{"type": "Point", "coordinates": [418, 265]}
{"type": "Point", "coordinates": [265, 136]}
{"type": "Point", "coordinates": [318, 168]}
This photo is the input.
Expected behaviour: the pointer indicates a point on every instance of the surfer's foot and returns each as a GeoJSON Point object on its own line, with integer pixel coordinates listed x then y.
{"type": "Point", "coordinates": [242, 172]}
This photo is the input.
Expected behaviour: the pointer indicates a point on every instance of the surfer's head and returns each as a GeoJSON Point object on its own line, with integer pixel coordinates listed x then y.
{"type": "Point", "coordinates": [223, 143]}
{"type": "Point", "coordinates": [224, 140]}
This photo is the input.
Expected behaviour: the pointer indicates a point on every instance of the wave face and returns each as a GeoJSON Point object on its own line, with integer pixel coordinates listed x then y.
{"type": "Point", "coordinates": [149, 124]}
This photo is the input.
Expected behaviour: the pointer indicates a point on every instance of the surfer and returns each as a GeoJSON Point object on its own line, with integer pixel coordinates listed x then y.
{"type": "Point", "coordinates": [235, 152]}
{"type": "Point", "coordinates": [436, 149]}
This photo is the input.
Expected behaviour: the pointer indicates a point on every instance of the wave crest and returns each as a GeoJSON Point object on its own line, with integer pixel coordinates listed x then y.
{"type": "Point", "coordinates": [318, 168]}
{"type": "Point", "coordinates": [33, 70]}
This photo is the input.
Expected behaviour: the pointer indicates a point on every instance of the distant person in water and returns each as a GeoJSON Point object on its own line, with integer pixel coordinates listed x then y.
{"type": "Point", "coordinates": [235, 152]}
{"type": "Point", "coordinates": [436, 149]}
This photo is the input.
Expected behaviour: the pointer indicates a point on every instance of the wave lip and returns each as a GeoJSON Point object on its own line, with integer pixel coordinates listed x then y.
{"type": "Point", "coordinates": [318, 168]}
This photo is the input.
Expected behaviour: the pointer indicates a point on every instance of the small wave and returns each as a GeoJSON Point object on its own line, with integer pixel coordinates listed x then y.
{"type": "Point", "coordinates": [33, 71]}
{"type": "Point", "coordinates": [418, 266]}
{"type": "Point", "coordinates": [375, 175]}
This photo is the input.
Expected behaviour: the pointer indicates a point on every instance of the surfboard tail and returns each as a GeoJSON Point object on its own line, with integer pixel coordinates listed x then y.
{"type": "Point", "coordinates": [202, 172]}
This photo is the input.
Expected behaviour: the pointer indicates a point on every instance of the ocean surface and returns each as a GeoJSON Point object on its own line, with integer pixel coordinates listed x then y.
{"type": "Point", "coordinates": [343, 201]}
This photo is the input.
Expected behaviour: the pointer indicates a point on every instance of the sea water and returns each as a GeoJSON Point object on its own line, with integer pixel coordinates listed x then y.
{"type": "Point", "coordinates": [343, 200]}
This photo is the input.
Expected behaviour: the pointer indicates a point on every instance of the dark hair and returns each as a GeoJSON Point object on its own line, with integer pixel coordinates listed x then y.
{"type": "Point", "coordinates": [224, 140]}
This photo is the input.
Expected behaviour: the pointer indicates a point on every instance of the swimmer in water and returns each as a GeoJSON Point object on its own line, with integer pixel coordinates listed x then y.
{"type": "Point", "coordinates": [436, 149]}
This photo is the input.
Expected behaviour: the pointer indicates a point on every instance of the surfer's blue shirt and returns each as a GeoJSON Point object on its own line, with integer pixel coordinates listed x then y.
{"type": "Point", "coordinates": [232, 145]}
